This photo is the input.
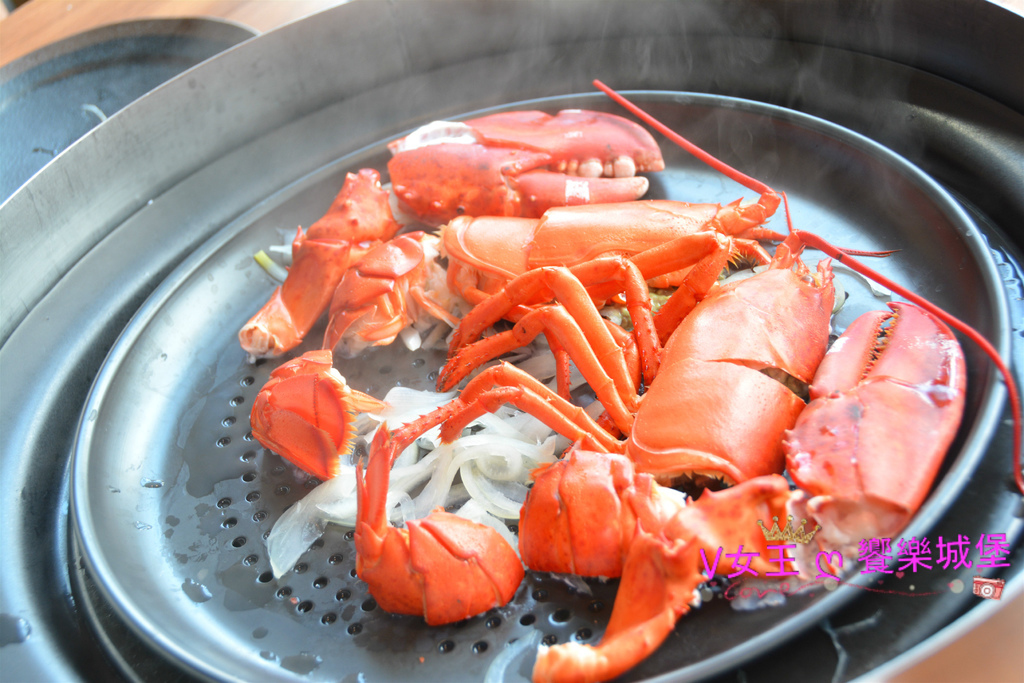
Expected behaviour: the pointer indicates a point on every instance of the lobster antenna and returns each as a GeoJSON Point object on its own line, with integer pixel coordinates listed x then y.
{"type": "Point", "coordinates": [714, 162]}
{"type": "Point", "coordinates": [844, 257]}
{"type": "Point", "coordinates": [717, 164]}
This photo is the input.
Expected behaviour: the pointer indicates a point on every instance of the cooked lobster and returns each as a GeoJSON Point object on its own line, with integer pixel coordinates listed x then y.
{"type": "Point", "coordinates": [717, 404]}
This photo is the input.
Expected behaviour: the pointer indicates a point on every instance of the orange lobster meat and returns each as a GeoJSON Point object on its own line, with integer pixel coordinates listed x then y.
{"type": "Point", "coordinates": [305, 411]}
{"type": "Point", "coordinates": [386, 290]}
{"type": "Point", "coordinates": [358, 218]}
{"type": "Point", "coordinates": [520, 164]}
{"type": "Point", "coordinates": [443, 568]}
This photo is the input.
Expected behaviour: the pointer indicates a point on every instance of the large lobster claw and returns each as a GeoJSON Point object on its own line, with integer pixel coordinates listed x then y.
{"type": "Point", "coordinates": [305, 411]}
{"type": "Point", "coordinates": [886, 404]}
{"type": "Point", "coordinates": [521, 164]}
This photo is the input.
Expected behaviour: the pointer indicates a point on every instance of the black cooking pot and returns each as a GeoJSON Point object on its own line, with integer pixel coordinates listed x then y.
{"type": "Point", "coordinates": [91, 236]}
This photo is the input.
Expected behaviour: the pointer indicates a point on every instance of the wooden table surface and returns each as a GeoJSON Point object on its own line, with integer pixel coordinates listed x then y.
{"type": "Point", "coordinates": [990, 651]}
{"type": "Point", "coordinates": [41, 22]}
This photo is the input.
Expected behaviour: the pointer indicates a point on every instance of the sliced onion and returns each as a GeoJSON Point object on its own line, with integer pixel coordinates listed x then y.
{"type": "Point", "coordinates": [876, 289]}
{"type": "Point", "coordinates": [475, 512]}
{"type": "Point", "coordinates": [268, 264]}
{"type": "Point", "coordinates": [498, 671]}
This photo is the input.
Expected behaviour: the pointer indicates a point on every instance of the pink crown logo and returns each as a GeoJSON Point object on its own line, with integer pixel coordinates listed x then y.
{"type": "Point", "coordinates": [789, 533]}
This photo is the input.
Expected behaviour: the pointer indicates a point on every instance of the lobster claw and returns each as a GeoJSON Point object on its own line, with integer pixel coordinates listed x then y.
{"type": "Point", "coordinates": [305, 411]}
{"type": "Point", "coordinates": [886, 403]}
{"type": "Point", "coordinates": [520, 164]}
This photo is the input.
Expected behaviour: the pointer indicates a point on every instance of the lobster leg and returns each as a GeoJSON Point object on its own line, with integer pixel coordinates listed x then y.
{"type": "Point", "coordinates": [360, 213]}
{"type": "Point", "coordinates": [504, 383]}
{"type": "Point", "coordinates": [603, 364]}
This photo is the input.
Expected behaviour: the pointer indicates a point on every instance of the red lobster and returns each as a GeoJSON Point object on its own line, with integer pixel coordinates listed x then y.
{"type": "Point", "coordinates": [658, 560]}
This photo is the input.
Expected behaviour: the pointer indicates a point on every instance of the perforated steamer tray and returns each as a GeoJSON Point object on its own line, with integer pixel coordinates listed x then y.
{"type": "Point", "coordinates": [172, 498]}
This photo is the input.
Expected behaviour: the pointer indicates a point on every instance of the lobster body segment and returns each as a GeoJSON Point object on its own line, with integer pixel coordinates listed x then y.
{"type": "Point", "coordinates": [393, 285]}
{"type": "Point", "coordinates": [715, 408]}
{"type": "Point", "coordinates": [486, 252]}
{"type": "Point", "coordinates": [443, 568]}
{"type": "Point", "coordinates": [584, 512]}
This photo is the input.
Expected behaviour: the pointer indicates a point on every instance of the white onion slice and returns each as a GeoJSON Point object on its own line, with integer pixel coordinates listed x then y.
{"type": "Point", "coordinates": [498, 671]}
{"type": "Point", "coordinates": [475, 512]}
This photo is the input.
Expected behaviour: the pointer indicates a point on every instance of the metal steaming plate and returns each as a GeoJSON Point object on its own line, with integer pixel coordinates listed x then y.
{"type": "Point", "coordinates": [172, 498]}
